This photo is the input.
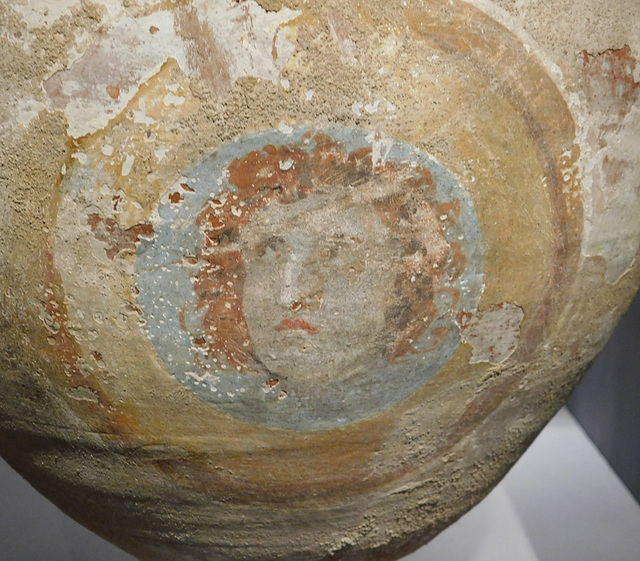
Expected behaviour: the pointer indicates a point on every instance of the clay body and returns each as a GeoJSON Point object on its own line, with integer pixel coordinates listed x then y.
{"type": "Point", "coordinates": [301, 280]}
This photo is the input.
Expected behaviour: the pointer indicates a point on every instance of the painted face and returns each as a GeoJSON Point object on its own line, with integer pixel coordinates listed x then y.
{"type": "Point", "coordinates": [325, 274]}
{"type": "Point", "coordinates": [314, 286]}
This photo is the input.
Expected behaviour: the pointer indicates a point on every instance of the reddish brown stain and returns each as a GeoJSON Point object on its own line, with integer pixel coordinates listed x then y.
{"type": "Point", "coordinates": [113, 91]}
{"type": "Point", "coordinates": [608, 80]}
{"type": "Point", "coordinates": [153, 30]}
{"type": "Point", "coordinates": [108, 231]}
{"type": "Point", "coordinates": [439, 334]}
{"type": "Point", "coordinates": [614, 169]}
{"type": "Point", "coordinates": [463, 319]}
{"type": "Point", "coordinates": [293, 324]}
{"type": "Point", "coordinates": [427, 272]}
{"type": "Point", "coordinates": [204, 52]}
{"type": "Point", "coordinates": [274, 48]}
{"type": "Point", "coordinates": [65, 350]}
{"type": "Point", "coordinates": [131, 308]}
{"type": "Point", "coordinates": [176, 198]}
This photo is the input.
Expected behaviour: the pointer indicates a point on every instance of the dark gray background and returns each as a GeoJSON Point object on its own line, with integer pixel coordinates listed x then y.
{"type": "Point", "coordinates": [607, 401]}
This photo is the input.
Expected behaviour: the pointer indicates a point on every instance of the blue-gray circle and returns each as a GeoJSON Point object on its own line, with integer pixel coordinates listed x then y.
{"type": "Point", "coordinates": [165, 271]}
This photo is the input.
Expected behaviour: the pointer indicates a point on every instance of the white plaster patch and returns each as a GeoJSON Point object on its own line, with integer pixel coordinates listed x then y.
{"type": "Point", "coordinates": [81, 157]}
{"type": "Point", "coordinates": [28, 110]}
{"type": "Point", "coordinates": [172, 100]}
{"type": "Point", "coordinates": [128, 164]}
{"type": "Point", "coordinates": [381, 145]}
{"type": "Point", "coordinates": [493, 334]}
{"type": "Point", "coordinates": [83, 393]}
{"type": "Point", "coordinates": [203, 376]}
{"type": "Point", "coordinates": [161, 153]}
{"type": "Point", "coordinates": [19, 112]}
{"type": "Point", "coordinates": [612, 206]}
{"type": "Point", "coordinates": [42, 13]}
{"type": "Point", "coordinates": [140, 115]}
{"type": "Point", "coordinates": [372, 108]}
{"type": "Point", "coordinates": [98, 86]}
{"type": "Point", "coordinates": [284, 128]}
{"type": "Point", "coordinates": [253, 40]}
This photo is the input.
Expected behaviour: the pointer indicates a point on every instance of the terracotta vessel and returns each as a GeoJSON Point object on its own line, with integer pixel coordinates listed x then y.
{"type": "Point", "coordinates": [292, 279]}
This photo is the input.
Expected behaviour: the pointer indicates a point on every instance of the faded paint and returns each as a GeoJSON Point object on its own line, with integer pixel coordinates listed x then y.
{"type": "Point", "coordinates": [98, 86]}
{"type": "Point", "coordinates": [118, 240]}
{"type": "Point", "coordinates": [251, 40]}
{"type": "Point", "coordinates": [28, 110]}
{"type": "Point", "coordinates": [341, 27]}
{"type": "Point", "coordinates": [493, 334]}
{"type": "Point", "coordinates": [102, 80]}
{"type": "Point", "coordinates": [607, 113]}
{"type": "Point", "coordinates": [611, 162]}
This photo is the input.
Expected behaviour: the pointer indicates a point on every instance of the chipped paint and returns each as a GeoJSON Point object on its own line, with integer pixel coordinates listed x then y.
{"type": "Point", "coordinates": [42, 13]}
{"type": "Point", "coordinates": [37, 14]}
{"type": "Point", "coordinates": [381, 145]}
{"type": "Point", "coordinates": [128, 164]}
{"type": "Point", "coordinates": [253, 40]}
{"type": "Point", "coordinates": [116, 239]}
{"type": "Point", "coordinates": [493, 334]}
{"type": "Point", "coordinates": [611, 161]}
{"type": "Point", "coordinates": [125, 56]}
{"type": "Point", "coordinates": [341, 27]}
{"type": "Point", "coordinates": [28, 110]}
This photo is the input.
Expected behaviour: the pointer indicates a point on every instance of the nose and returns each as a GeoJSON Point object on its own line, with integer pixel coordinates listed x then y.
{"type": "Point", "coordinates": [290, 276]}
{"type": "Point", "coordinates": [300, 246]}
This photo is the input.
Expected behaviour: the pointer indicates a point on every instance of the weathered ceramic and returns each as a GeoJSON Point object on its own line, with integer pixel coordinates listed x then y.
{"type": "Point", "coordinates": [291, 279]}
